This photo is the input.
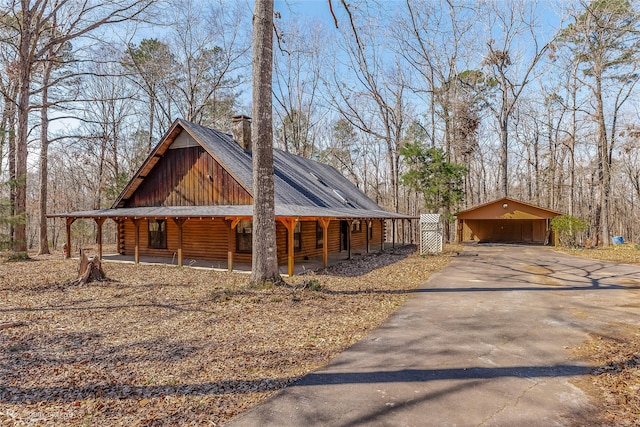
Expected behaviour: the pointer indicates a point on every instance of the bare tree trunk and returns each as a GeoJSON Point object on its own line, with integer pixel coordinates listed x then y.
{"type": "Point", "coordinates": [49, 64]}
{"type": "Point", "coordinates": [44, 165]}
{"type": "Point", "coordinates": [4, 126]}
{"type": "Point", "coordinates": [25, 61]}
{"type": "Point", "coordinates": [604, 177]}
{"type": "Point", "coordinates": [12, 174]}
{"type": "Point", "coordinates": [504, 157]}
{"type": "Point", "coordinates": [152, 113]}
{"type": "Point", "coordinates": [572, 158]}
{"type": "Point", "coordinates": [9, 138]}
{"type": "Point", "coordinates": [265, 254]}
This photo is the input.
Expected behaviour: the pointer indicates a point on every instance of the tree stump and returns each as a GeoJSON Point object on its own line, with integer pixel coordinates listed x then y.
{"type": "Point", "coordinates": [89, 271]}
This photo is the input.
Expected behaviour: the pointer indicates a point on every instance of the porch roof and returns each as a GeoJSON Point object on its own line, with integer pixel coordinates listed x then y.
{"type": "Point", "coordinates": [237, 211]}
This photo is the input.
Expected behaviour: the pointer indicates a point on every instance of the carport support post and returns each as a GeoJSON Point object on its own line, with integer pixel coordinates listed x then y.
{"type": "Point", "coordinates": [68, 230]}
{"type": "Point", "coordinates": [99, 222]}
{"type": "Point", "coordinates": [179, 222]}
{"type": "Point", "coordinates": [136, 251]}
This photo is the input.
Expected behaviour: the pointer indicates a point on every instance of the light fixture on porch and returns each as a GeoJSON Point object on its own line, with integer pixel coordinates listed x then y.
{"type": "Point", "coordinates": [504, 205]}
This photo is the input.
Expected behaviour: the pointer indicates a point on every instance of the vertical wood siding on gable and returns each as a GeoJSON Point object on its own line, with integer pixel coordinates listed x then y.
{"type": "Point", "coordinates": [189, 177]}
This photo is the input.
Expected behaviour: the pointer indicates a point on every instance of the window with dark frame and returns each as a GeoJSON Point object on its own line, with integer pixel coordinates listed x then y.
{"type": "Point", "coordinates": [356, 226]}
{"type": "Point", "coordinates": [244, 238]}
{"type": "Point", "coordinates": [157, 234]}
{"type": "Point", "coordinates": [370, 226]}
{"type": "Point", "coordinates": [297, 237]}
{"type": "Point", "coordinates": [319, 235]}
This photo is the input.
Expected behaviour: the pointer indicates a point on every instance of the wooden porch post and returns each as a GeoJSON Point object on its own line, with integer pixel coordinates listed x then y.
{"type": "Point", "coordinates": [68, 230]}
{"type": "Point", "coordinates": [349, 222]}
{"type": "Point", "coordinates": [325, 241]}
{"type": "Point", "coordinates": [179, 222]}
{"type": "Point", "coordinates": [136, 253]}
{"type": "Point", "coordinates": [290, 225]}
{"type": "Point", "coordinates": [99, 222]}
{"type": "Point", "coordinates": [393, 233]}
{"type": "Point", "coordinates": [119, 233]}
{"type": "Point", "coordinates": [366, 230]}
{"type": "Point", "coordinates": [403, 234]}
{"type": "Point", "coordinates": [231, 229]}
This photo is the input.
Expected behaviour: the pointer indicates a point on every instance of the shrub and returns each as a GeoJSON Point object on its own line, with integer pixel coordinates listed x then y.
{"type": "Point", "coordinates": [18, 256]}
{"type": "Point", "coordinates": [567, 228]}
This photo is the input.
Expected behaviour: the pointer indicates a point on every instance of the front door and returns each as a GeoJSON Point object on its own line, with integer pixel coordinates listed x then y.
{"type": "Point", "coordinates": [344, 236]}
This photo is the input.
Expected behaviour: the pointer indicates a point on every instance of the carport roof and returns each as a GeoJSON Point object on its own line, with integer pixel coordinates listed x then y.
{"type": "Point", "coordinates": [507, 208]}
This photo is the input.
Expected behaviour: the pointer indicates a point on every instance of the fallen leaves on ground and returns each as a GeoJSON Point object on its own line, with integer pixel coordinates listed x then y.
{"type": "Point", "coordinates": [614, 385]}
{"type": "Point", "coordinates": [626, 253]}
{"type": "Point", "coordinates": [163, 345]}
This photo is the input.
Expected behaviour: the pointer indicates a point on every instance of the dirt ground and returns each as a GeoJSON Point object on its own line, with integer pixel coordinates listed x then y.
{"type": "Point", "coordinates": [163, 345]}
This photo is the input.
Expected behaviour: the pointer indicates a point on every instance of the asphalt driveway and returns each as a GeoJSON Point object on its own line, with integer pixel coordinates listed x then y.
{"type": "Point", "coordinates": [485, 342]}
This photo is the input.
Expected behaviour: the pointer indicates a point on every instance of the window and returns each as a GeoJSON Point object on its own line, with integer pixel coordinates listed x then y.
{"type": "Point", "coordinates": [297, 237]}
{"type": "Point", "coordinates": [356, 226]}
{"type": "Point", "coordinates": [158, 234]}
{"type": "Point", "coordinates": [319, 235]}
{"type": "Point", "coordinates": [244, 242]}
{"type": "Point", "coordinates": [370, 226]}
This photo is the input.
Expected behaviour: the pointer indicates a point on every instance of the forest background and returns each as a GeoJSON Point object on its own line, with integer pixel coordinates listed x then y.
{"type": "Point", "coordinates": [531, 100]}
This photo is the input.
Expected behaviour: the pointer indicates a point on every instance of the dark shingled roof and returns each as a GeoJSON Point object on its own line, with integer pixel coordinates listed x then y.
{"type": "Point", "coordinates": [303, 187]}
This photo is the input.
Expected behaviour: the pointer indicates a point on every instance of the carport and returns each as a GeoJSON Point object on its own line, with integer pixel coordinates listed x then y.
{"type": "Point", "coordinates": [506, 220]}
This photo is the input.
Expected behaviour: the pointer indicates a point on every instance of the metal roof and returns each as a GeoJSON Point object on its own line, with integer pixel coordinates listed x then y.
{"type": "Point", "coordinates": [297, 180]}
{"type": "Point", "coordinates": [303, 187]}
{"type": "Point", "coordinates": [224, 211]}
{"type": "Point", "coordinates": [502, 200]}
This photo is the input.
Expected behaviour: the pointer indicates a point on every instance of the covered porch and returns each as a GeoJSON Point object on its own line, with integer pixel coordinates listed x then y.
{"type": "Point", "coordinates": [300, 266]}
{"type": "Point", "coordinates": [227, 219]}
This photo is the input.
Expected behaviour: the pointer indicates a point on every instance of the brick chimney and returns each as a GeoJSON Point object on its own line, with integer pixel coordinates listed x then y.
{"type": "Point", "coordinates": [241, 130]}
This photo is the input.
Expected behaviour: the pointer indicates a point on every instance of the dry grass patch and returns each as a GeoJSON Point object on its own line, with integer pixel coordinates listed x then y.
{"type": "Point", "coordinates": [162, 345]}
{"type": "Point", "coordinates": [626, 254]}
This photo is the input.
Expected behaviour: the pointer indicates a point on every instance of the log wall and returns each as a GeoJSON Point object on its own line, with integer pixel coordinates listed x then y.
{"type": "Point", "coordinates": [206, 239]}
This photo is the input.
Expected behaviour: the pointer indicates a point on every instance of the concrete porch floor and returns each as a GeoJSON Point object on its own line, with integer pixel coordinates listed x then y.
{"type": "Point", "coordinates": [300, 267]}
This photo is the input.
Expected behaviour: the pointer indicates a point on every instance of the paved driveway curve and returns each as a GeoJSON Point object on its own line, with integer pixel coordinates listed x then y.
{"type": "Point", "coordinates": [484, 342]}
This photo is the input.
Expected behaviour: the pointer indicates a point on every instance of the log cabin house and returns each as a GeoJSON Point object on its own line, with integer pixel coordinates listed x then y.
{"type": "Point", "coordinates": [192, 197]}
